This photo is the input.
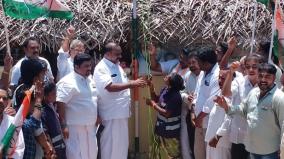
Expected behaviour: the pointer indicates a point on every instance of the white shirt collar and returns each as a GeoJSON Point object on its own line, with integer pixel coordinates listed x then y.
{"type": "Point", "coordinates": [109, 63]}
{"type": "Point", "coordinates": [78, 76]}
{"type": "Point", "coordinates": [248, 83]}
{"type": "Point", "coordinates": [215, 67]}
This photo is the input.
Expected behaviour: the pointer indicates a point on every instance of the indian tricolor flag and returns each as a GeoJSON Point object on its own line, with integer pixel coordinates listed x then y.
{"type": "Point", "coordinates": [32, 9]}
{"type": "Point", "coordinates": [8, 143]}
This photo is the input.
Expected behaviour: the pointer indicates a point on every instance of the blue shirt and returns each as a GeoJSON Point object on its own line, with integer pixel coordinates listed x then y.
{"type": "Point", "coordinates": [169, 127]}
{"type": "Point", "coordinates": [52, 127]}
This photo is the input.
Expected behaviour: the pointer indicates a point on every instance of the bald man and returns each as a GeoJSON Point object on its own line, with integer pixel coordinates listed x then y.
{"type": "Point", "coordinates": [113, 89]}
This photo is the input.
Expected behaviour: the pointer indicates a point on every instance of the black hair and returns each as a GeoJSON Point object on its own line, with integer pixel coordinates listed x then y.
{"type": "Point", "coordinates": [176, 82]}
{"type": "Point", "coordinates": [30, 68]}
{"type": "Point", "coordinates": [26, 42]}
{"type": "Point", "coordinates": [193, 55]}
{"type": "Point", "coordinates": [223, 47]}
{"type": "Point", "coordinates": [185, 52]}
{"type": "Point", "coordinates": [256, 57]}
{"type": "Point", "coordinates": [207, 55]}
{"type": "Point", "coordinates": [81, 58]}
{"type": "Point", "coordinates": [268, 68]}
{"type": "Point", "coordinates": [49, 87]}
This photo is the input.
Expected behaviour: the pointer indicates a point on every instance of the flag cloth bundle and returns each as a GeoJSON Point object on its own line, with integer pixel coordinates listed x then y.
{"type": "Point", "coordinates": [8, 143]}
{"type": "Point", "coordinates": [265, 2]}
{"type": "Point", "coordinates": [32, 9]}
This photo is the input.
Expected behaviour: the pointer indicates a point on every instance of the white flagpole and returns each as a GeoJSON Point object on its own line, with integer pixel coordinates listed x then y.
{"type": "Point", "coordinates": [136, 102]}
{"type": "Point", "coordinates": [4, 20]}
{"type": "Point", "coordinates": [254, 27]}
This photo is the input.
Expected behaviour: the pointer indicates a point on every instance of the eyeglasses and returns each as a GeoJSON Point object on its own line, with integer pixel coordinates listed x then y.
{"type": "Point", "coordinates": [254, 67]}
{"type": "Point", "coordinates": [4, 98]}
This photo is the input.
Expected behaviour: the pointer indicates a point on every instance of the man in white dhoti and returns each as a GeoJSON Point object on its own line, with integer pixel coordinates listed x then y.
{"type": "Point", "coordinates": [114, 103]}
{"type": "Point", "coordinates": [77, 108]}
{"type": "Point", "coordinates": [216, 117]}
{"type": "Point", "coordinates": [5, 121]}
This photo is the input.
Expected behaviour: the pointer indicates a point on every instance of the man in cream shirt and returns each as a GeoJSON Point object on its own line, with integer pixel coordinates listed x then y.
{"type": "Point", "coordinates": [263, 110]}
{"type": "Point", "coordinates": [114, 103]}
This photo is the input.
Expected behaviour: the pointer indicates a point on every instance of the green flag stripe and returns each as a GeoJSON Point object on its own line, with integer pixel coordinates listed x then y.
{"type": "Point", "coordinates": [22, 10]}
{"type": "Point", "coordinates": [8, 136]}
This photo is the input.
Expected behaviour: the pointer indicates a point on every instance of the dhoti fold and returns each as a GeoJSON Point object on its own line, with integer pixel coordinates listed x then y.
{"type": "Point", "coordinates": [114, 140]}
{"type": "Point", "coordinates": [218, 152]}
{"type": "Point", "coordinates": [82, 142]}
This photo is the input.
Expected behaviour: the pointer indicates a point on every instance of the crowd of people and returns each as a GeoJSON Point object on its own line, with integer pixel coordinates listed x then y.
{"type": "Point", "coordinates": [209, 108]}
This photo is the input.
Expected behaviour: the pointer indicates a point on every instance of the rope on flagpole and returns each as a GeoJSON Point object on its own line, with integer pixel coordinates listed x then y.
{"type": "Point", "coordinates": [273, 32]}
{"type": "Point", "coordinates": [155, 147]}
{"type": "Point", "coordinates": [253, 28]}
{"type": "Point", "coordinates": [5, 23]}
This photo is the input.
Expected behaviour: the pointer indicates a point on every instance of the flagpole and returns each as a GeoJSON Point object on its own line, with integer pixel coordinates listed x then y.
{"type": "Point", "coordinates": [4, 20]}
{"type": "Point", "coordinates": [135, 74]}
{"type": "Point", "coordinates": [254, 27]}
{"type": "Point", "coordinates": [273, 32]}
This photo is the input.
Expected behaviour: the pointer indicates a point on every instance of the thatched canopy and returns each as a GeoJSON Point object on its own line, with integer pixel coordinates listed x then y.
{"type": "Point", "coordinates": [183, 21]}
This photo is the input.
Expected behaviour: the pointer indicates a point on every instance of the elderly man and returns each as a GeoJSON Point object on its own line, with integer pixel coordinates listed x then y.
{"type": "Point", "coordinates": [114, 103]}
{"type": "Point", "coordinates": [31, 49]}
{"type": "Point", "coordinates": [67, 52]}
{"type": "Point", "coordinates": [5, 121]}
{"type": "Point", "coordinates": [77, 108]}
{"type": "Point", "coordinates": [264, 111]}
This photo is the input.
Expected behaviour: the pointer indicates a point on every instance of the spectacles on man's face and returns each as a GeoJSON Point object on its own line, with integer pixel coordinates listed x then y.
{"type": "Point", "coordinates": [4, 98]}
{"type": "Point", "coordinates": [254, 67]}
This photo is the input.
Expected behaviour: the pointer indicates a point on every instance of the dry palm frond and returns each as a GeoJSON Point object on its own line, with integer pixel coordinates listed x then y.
{"type": "Point", "coordinates": [185, 21]}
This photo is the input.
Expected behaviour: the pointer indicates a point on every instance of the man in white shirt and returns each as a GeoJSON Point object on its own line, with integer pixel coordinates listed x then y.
{"type": "Point", "coordinates": [114, 103]}
{"type": "Point", "coordinates": [77, 108]}
{"type": "Point", "coordinates": [235, 126]}
{"type": "Point", "coordinates": [5, 122]}
{"type": "Point", "coordinates": [67, 52]}
{"type": "Point", "coordinates": [206, 90]}
{"type": "Point", "coordinates": [31, 48]}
